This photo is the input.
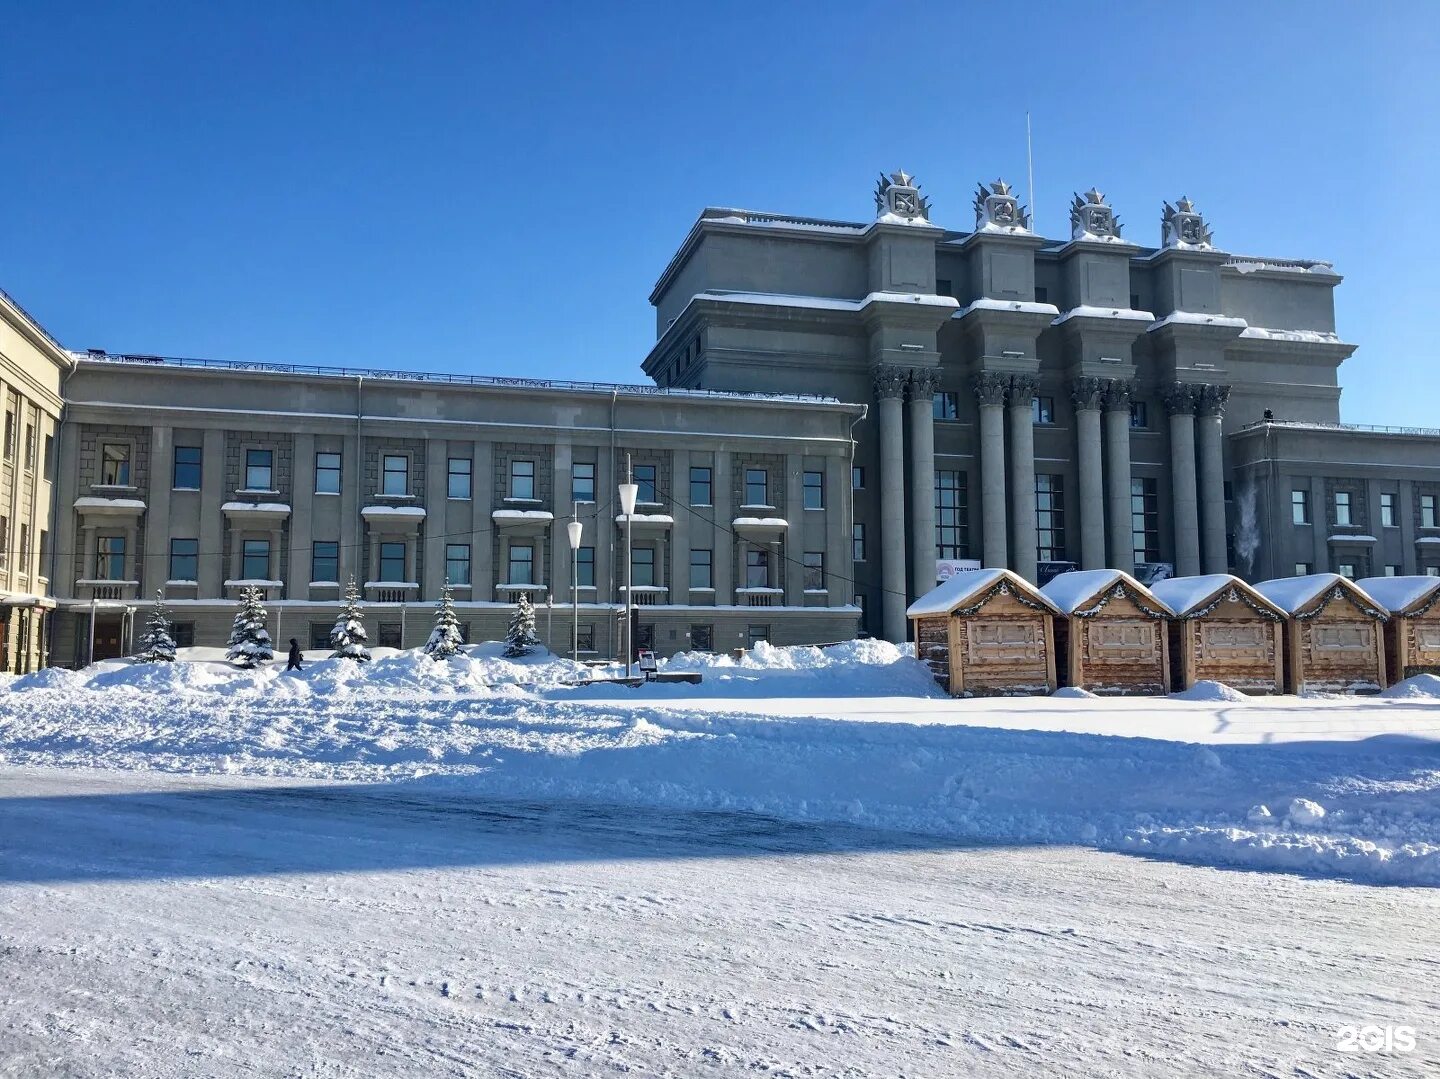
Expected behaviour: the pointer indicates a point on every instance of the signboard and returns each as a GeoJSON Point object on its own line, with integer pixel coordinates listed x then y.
{"type": "Point", "coordinates": [1045, 572]}
{"type": "Point", "coordinates": [1147, 573]}
{"type": "Point", "coordinates": [945, 568]}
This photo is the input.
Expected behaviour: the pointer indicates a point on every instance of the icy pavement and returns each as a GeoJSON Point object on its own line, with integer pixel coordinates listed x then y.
{"type": "Point", "coordinates": [166, 926]}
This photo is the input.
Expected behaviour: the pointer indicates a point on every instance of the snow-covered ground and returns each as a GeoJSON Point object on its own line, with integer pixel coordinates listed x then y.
{"type": "Point", "coordinates": [857, 733]}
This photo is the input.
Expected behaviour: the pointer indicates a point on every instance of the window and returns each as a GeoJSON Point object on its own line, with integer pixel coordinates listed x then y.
{"type": "Point", "coordinates": [582, 483]}
{"type": "Point", "coordinates": [701, 489]}
{"type": "Point", "coordinates": [943, 287]}
{"type": "Point", "coordinates": [757, 487]}
{"type": "Point", "coordinates": [1342, 507]}
{"type": "Point", "coordinates": [1049, 518]}
{"type": "Point", "coordinates": [814, 571]}
{"type": "Point", "coordinates": [585, 637]}
{"type": "Point", "coordinates": [522, 480]}
{"type": "Point", "coordinates": [1427, 511]}
{"type": "Point", "coordinates": [5, 542]}
{"type": "Point", "coordinates": [185, 474]}
{"type": "Point", "coordinates": [952, 515]}
{"type": "Point", "coordinates": [1042, 409]}
{"type": "Point", "coordinates": [109, 556]}
{"type": "Point", "coordinates": [585, 561]}
{"type": "Point", "coordinates": [388, 635]}
{"type": "Point", "coordinates": [183, 634]}
{"type": "Point", "coordinates": [755, 634]}
{"type": "Point", "coordinates": [642, 567]}
{"type": "Point", "coordinates": [1346, 570]}
{"type": "Point", "coordinates": [1139, 414]}
{"type": "Point", "coordinates": [1135, 302]}
{"type": "Point", "coordinates": [259, 470]}
{"type": "Point", "coordinates": [522, 564]}
{"type": "Point", "coordinates": [25, 550]}
{"type": "Point", "coordinates": [327, 473]}
{"type": "Point", "coordinates": [701, 570]}
{"type": "Point", "coordinates": [457, 563]}
{"type": "Point", "coordinates": [30, 446]}
{"type": "Point", "coordinates": [1304, 569]}
{"type": "Point", "coordinates": [325, 561]}
{"type": "Point", "coordinates": [947, 406]}
{"type": "Point", "coordinates": [395, 474]}
{"type": "Point", "coordinates": [392, 563]}
{"type": "Point", "coordinates": [1392, 571]}
{"type": "Point", "coordinates": [814, 490]}
{"type": "Point", "coordinates": [114, 465]}
{"type": "Point", "coordinates": [1432, 571]}
{"type": "Point", "coordinates": [255, 560]}
{"type": "Point", "coordinates": [48, 464]}
{"type": "Point", "coordinates": [857, 478]}
{"type": "Point", "coordinates": [1145, 519]}
{"type": "Point", "coordinates": [457, 477]}
{"type": "Point", "coordinates": [184, 560]}
{"type": "Point", "coordinates": [1300, 507]}
{"type": "Point", "coordinates": [757, 569]}
{"type": "Point", "coordinates": [320, 635]}
{"type": "Point", "coordinates": [702, 638]}
{"type": "Point", "coordinates": [9, 435]}
{"type": "Point", "coordinates": [645, 480]}
{"type": "Point", "coordinates": [857, 542]}
{"type": "Point", "coordinates": [1387, 510]}
{"type": "Point", "coordinates": [1042, 294]}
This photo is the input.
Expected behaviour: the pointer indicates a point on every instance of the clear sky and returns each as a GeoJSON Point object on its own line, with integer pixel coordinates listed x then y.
{"type": "Point", "coordinates": [494, 188]}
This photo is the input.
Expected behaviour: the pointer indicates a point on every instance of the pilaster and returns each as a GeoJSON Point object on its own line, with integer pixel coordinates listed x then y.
{"type": "Point", "coordinates": [890, 383]}
{"type": "Point", "coordinates": [1179, 400]}
{"type": "Point", "coordinates": [1211, 401]}
{"type": "Point", "coordinates": [1087, 394]}
{"type": "Point", "coordinates": [1115, 397]}
{"type": "Point", "coordinates": [990, 390]}
{"type": "Point", "coordinates": [1019, 399]}
{"type": "Point", "coordinates": [923, 384]}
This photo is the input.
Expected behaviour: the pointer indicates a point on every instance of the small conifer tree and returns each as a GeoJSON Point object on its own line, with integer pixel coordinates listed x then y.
{"type": "Point", "coordinates": [520, 639]}
{"type": "Point", "coordinates": [445, 639]}
{"type": "Point", "coordinates": [157, 643]}
{"type": "Point", "coordinates": [249, 639]}
{"type": "Point", "coordinates": [348, 637]}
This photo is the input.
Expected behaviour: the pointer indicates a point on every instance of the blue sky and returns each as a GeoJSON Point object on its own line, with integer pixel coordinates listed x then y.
{"type": "Point", "coordinates": [495, 188]}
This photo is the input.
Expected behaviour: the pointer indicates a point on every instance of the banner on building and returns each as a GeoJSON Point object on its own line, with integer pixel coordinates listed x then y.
{"type": "Point", "coordinates": [1045, 572]}
{"type": "Point", "coordinates": [945, 568]}
{"type": "Point", "coordinates": [1147, 573]}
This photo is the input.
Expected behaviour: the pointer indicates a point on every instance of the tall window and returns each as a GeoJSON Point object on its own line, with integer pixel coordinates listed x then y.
{"type": "Point", "coordinates": [814, 490]}
{"type": "Point", "coordinates": [701, 489]}
{"type": "Point", "coordinates": [700, 569]}
{"type": "Point", "coordinates": [115, 465]}
{"type": "Point", "coordinates": [757, 487]}
{"type": "Point", "coordinates": [857, 477]}
{"type": "Point", "coordinates": [30, 446]}
{"type": "Point", "coordinates": [259, 470]}
{"type": "Point", "coordinates": [109, 557]}
{"type": "Point", "coordinates": [582, 482]}
{"type": "Point", "coordinates": [9, 435]}
{"type": "Point", "coordinates": [642, 567]}
{"type": "Point", "coordinates": [645, 480]}
{"type": "Point", "coordinates": [1387, 509]}
{"type": "Point", "coordinates": [947, 406]}
{"type": "Point", "coordinates": [1304, 569]}
{"type": "Point", "coordinates": [1300, 507]}
{"type": "Point", "coordinates": [392, 563]}
{"type": "Point", "coordinates": [186, 471]}
{"type": "Point", "coordinates": [1346, 570]}
{"type": "Point", "coordinates": [857, 542]}
{"type": "Point", "coordinates": [5, 542]}
{"type": "Point", "coordinates": [1139, 414]}
{"type": "Point", "coordinates": [24, 549]}
{"type": "Point", "coordinates": [1049, 518]}
{"type": "Point", "coordinates": [1145, 519]}
{"type": "Point", "coordinates": [457, 563]}
{"type": "Point", "coordinates": [585, 563]}
{"type": "Point", "coordinates": [184, 559]}
{"type": "Point", "coordinates": [755, 634]}
{"type": "Point", "coordinates": [757, 569]}
{"type": "Point", "coordinates": [47, 464]}
{"type": "Point", "coordinates": [1427, 511]}
{"type": "Point", "coordinates": [952, 516]}
{"type": "Point", "coordinates": [814, 571]}
{"type": "Point", "coordinates": [327, 473]}
{"type": "Point", "coordinates": [457, 477]}
{"type": "Point", "coordinates": [1342, 507]}
{"type": "Point", "coordinates": [1392, 571]}
{"type": "Point", "coordinates": [325, 562]}
{"type": "Point", "coordinates": [522, 480]}
{"type": "Point", "coordinates": [1042, 409]}
{"type": "Point", "coordinates": [522, 564]}
{"type": "Point", "coordinates": [255, 560]}
{"type": "Point", "coordinates": [395, 474]}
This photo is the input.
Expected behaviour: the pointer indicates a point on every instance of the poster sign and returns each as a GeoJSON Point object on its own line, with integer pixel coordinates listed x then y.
{"type": "Point", "coordinates": [945, 568]}
{"type": "Point", "coordinates": [1045, 572]}
{"type": "Point", "coordinates": [1147, 573]}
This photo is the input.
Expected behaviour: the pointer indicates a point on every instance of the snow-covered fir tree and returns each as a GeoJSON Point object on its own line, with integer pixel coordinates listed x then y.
{"type": "Point", "coordinates": [249, 639]}
{"type": "Point", "coordinates": [520, 639]}
{"type": "Point", "coordinates": [157, 644]}
{"type": "Point", "coordinates": [445, 639]}
{"type": "Point", "coordinates": [348, 637]}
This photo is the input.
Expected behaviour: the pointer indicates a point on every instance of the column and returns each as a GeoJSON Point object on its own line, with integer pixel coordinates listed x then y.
{"type": "Point", "coordinates": [1116, 399]}
{"type": "Point", "coordinates": [678, 538]}
{"type": "Point", "coordinates": [1020, 399]}
{"type": "Point", "coordinates": [890, 385]}
{"type": "Point", "coordinates": [65, 543]}
{"type": "Point", "coordinates": [352, 554]}
{"type": "Point", "coordinates": [482, 534]}
{"type": "Point", "coordinates": [558, 579]}
{"type": "Point", "coordinates": [302, 521]}
{"type": "Point", "coordinates": [436, 526]}
{"type": "Point", "coordinates": [213, 526]}
{"type": "Point", "coordinates": [1211, 405]}
{"type": "Point", "coordinates": [839, 565]}
{"type": "Point", "coordinates": [791, 548]}
{"type": "Point", "coordinates": [990, 392]}
{"type": "Point", "coordinates": [1086, 393]}
{"type": "Point", "coordinates": [1180, 404]}
{"type": "Point", "coordinates": [923, 383]}
{"type": "Point", "coordinates": [156, 569]}
{"type": "Point", "coordinates": [722, 558]}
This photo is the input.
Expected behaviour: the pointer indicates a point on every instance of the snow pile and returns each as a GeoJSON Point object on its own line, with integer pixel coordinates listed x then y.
{"type": "Point", "coordinates": [1206, 690]}
{"type": "Point", "coordinates": [1420, 685]}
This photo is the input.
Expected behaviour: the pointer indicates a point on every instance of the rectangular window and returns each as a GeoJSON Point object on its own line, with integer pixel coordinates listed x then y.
{"type": "Point", "coordinates": [755, 634]}
{"type": "Point", "coordinates": [1145, 519]}
{"type": "Point", "coordinates": [582, 482]}
{"type": "Point", "coordinates": [757, 487]}
{"type": "Point", "coordinates": [1392, 571]}
{"type": "Point", "coordinates": [183, 634]}
{"type": "Point", "coordinates": [952, 515]}
{"type": "Point", "coordinates": [642, 567]}
{"type": "Point", "coordinates": [947, 406]}
{"type": "Point", "coordinates": [701, 575]}
{"type": "Point", "coordinates": [1139, 414]}
{"type": "Point", "coordinates": [325, 561]}
{"type": "Point", "coordinates": [585, 561]}
{"type": "Point", "coordinates": [1042, 409]}
{"type": "Point", "coordinates": [645, 480]}
{"type": "Point", "coordinates": [457, 563]}
{"type": "Point", "coordinates": [109, 556]}
{"type": "Point", "coordinates": [392, 563]}
{"type": "Point", "coordinates": [1342, 507]}
{"type": "Point", "coordinates": [857, 478]}
{"type": "Point", "coordinates": [185, 474]}
{"type": "Point", "coordinates": [327, 473]}
{"type": "Point", "coordinates": [585, 637]}
{"type": "Point", "coordinates": [702, 492]}
{"type": "Point", "coordinates": [1432, 571]}
{"type": "Point", "coordinates": [1049, 518]}
{"type": "Point", "coordinates": [522, 564]}
{"type": "Point", "coordinates": [9, 435]}
{"type": "Point", "coordinates": [757, 569]}
{"type": "Point", "coordinates": [30, 446]}
{"type": "Point", "coordinates": [814, 571]}
{"type": "Point", "coordinates": [457, 478]}
{"type": "Point", "coordinates": [1346, 570]}
{"type": "Point", "coordinates": [814, 490]}
{"type": "Point", "coordinates": [5, 542]}
{"type": "Point", "coordinates": [48, 464]}
{"type": "Point", "coordinates": [320, 636]}
{"type": "Point", "coordinates": [25, 550]}
{"type": "Point", "coordinates": [388, 635]}
{"type": "Point", "coordinates": [1387, 510]}
{"type": "Point", "coordinates": [114, 465]}
{"type": "Point", "coordinates": [395, 474]}
{"type": "Point", "coordinates": [255, 560]}
{"type": "Point", "coordinates": [1300, 507]}
{"type": "Point", "coordinates": [1427, 511]}
{"type": "Point", "coordinates": [522, 480]}
{"type": "Point", "coordinates": [702, 638]}
{"type": "Point", "coordinates": [857, 542]}
{"type": "Point", "coordinates": [184, 560]}
{"type": "Point", "coordinates": [1304, 569]}
{"type": "Point", "coordinates": [259, 470]}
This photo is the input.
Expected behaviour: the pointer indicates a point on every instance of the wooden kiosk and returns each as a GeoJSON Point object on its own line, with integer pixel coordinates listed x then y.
{"type": "Point", "coordinates": [1113, 635]}
{"type": "Point", "coordinates": [1224, 631]}
{"type": "Point", "coordinates": [1335, 641]}
{"type": "Point", "coordinates": [987, 632]}
{"type": "Point", "coordinates": [1412, 636]}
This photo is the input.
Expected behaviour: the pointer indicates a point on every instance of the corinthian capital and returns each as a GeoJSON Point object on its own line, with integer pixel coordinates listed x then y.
{"type": "Point", "coordinates": [890, 381]}
{"type": "Point", "coordinates": [1179, 398]}
{"type": "Point", "coordinates": [1087, 393]}
{"type": "Point", "coordinates": [1211, 400]}
{"type": "Point", "coordinates": [1022, 390]}
{"type": "Point", "coordinates": [1115, 393]}
{"type": "Point", "coordinates": [990, 388]}
{"type": "Point", "coordinates": [924, 381]}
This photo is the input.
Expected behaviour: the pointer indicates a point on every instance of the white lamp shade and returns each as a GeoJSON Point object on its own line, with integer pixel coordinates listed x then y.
{"type": "Point", "coordinates": [575, 528]}
{"type": "Point", "coordinates": [628, 494]}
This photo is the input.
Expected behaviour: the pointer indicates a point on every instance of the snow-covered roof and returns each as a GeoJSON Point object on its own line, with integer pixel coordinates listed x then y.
{"type": "Point", "coordinates": [1293, 594]}
{"type": "Point", "coordinates": [1073, 590]}
{"type": "Point", "coordinates": [118, 505]}
{"type": "Point", "coordinates": [1184, 594]}
{"type": "Point", "coordinates": [1029, 307]}
{"type": "Point", "coordinates": [259, 509]}
{"type": "Point", "coordinates": [1312, 337]}
{"type": "Point", "coordinates": [254, 582]}
{"type": "Point", "coordinates": [522, 515]}
{"type": "Point", "coordinates": [393, 511]}
{"type": "Point", "coordinates": [1087, 311]}
{"type": "Point", "coordinates": [1399, 594]}
{"type": "Point", "coordinates": [1352, 537]}
{"type": "Point", "coordinates": [968, 585]}
{"type": "Point", "coordinates": [646, 519]}
{"type": "Point", "coordinates": [1196, 318]}
{"type": "Point", "coordinates": [826, 303]}
{"type": "Point", "coordinates": [759, 522]}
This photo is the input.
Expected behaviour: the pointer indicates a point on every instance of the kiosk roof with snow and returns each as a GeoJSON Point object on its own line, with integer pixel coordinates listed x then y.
{"type": "Point", "coordinates": [1334, 639]}
{"type": "Point", "coordinates": [1225, 631]}
{"type": "Point", "coordinates": [1113, 638]}
{"type": "Point", "coordinates": [1412, 635]}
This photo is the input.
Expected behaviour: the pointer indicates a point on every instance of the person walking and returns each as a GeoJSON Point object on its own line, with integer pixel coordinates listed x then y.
{"type": "Point", "coordinates": [295, 656]}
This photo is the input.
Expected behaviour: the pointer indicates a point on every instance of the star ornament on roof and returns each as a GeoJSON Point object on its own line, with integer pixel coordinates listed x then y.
{"type": "Point", "coordinates": [997, 208]}
{"type": "Point", "coordinates": [1091, 217]}
{"type": "Point", "coordinates": [899, 194]}
{"type": "Point", "coordinates": [1182, 225]}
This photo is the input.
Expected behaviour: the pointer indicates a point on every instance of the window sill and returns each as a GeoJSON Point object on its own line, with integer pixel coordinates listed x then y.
{"type": "Point", "coordinates": [394, 498]}
{"type": "Point", "coordinates": [256, 491]}
{"type": "Point", "coordinates": [458, 498]}
{"type": "Point", "coordinates": [192, 490]}
{"type": "Point", "coordinates": [327, 494]}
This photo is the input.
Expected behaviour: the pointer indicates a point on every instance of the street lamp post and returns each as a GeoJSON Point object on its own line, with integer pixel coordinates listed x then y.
{"type": "Point", "coordinates": [628, 492]}
{"type": "Point", "coordinates": [575, 530]}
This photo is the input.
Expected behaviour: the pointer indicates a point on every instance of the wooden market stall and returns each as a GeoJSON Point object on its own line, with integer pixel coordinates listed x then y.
{"type": "Point", "coordinates": [1412, 635]}
{"type": "Point", "coordinates": [1112, 637]}
{"type": "Point", "coordinates": [1335, 641]}
{"type": "Point", "coordinates": [987, 632]}
{"type": "Point", "coordinates": [1223, 631]}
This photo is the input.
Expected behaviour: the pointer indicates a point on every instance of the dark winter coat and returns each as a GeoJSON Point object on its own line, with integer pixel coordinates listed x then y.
{"type": "Point", "coordinates": [295, 656]}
